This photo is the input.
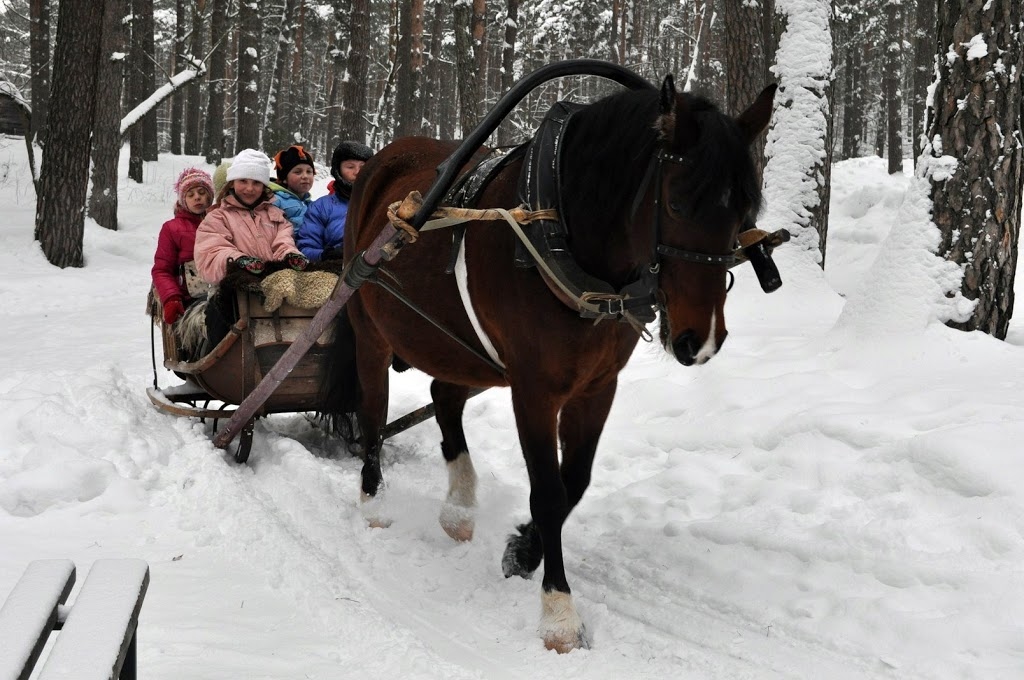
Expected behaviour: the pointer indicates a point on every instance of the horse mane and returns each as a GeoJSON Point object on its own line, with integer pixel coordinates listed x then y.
{"type": "Point", "coordinates": [611, 142]}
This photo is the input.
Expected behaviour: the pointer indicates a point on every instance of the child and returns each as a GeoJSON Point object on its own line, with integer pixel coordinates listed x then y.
{"type": "Point", "coordinates": [246, 228]}
{"type": "Point", "coordinates": [295, 174]}
{"type": "Point", "coordinates": [320, 235]}
{"type": "Point", "coordinates": [176, 243]}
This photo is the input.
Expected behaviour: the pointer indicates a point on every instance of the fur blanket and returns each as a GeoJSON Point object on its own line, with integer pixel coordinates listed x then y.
{"type": "Point", "coordinates": [278, 284]}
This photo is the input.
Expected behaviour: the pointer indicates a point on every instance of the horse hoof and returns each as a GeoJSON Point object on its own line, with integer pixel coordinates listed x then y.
{"type": "Point", "coordinates": [372, 509]}
{"type": "Point", "coordinates": [560, 625]}
{"type": "Point", "coordinates": [566, 644]}
{"type": "Point", "coordinates": [457, 521]}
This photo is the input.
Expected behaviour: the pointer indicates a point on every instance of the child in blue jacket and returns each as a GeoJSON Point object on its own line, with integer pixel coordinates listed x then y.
{"type": "Point", "coordinates": [295, 174]}
{"type": "Point", "coordinates": [320, 235]}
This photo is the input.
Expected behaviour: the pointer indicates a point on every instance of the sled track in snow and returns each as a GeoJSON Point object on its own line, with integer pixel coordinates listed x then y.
{"type": "Point", "coordinates": [453, 602]}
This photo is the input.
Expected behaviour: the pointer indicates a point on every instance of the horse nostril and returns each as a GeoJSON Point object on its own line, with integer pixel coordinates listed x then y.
{"type": "Point", "coordinates": [686, 347]}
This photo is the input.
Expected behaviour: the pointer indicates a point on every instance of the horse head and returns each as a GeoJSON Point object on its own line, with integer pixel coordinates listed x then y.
{"type": "Point", "coordinates": [704, 192]}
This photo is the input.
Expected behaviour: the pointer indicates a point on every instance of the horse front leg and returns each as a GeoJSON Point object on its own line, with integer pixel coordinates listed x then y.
{"type": "Point", "coordinates": [580, 424]}
{"type": "Point", "coordinates": [536, 417]}
{"type": "Point", "coordinates": [458, 513]}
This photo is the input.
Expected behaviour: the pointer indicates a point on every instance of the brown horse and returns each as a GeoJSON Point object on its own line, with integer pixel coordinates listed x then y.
{"type": "Point", "coordinates": [654, 186]}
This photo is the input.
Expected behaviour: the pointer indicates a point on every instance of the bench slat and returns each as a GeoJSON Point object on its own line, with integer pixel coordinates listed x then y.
{"type": "Point", "coordinates": [102, 622]}
{"type": "Point", "coordinates": [30, 613]}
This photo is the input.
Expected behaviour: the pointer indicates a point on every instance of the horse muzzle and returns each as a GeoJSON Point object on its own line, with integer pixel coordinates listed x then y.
{"type": "Point", "coordinates": [688, 349]}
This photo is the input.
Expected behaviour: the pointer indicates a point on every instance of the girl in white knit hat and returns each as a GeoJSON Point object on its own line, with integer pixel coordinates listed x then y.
{"type": "Point", "coordinates": [246, 230]}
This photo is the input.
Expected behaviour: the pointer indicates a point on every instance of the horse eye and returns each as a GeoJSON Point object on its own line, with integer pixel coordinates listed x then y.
{"type": "Point", "coordinates": [676, 207]}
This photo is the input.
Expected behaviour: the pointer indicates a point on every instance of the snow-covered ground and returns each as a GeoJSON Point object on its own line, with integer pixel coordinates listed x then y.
{"type": "Point", "coordinates": [833, 496]}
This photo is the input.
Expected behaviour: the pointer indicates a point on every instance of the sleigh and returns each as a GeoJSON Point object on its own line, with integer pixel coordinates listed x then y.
{"type": "Point", "coordinates": [227, 373]}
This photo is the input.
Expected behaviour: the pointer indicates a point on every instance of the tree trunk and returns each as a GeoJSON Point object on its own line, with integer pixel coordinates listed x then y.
{"type": "Point", "coordinates": [466, 69]}
{"type": "Point", "coordinates": [353, 94]}
{"type": "Point", "coordinates": [478, 31]}
{"type": "Point", "coordinates": [976, 173]}
{"type": "Point", "coordinates": [796, 176]}
{"type": "Point", "coordinates": [341, 10]}
{"type": "Point", "coordinates": [296, 127]}
{"type": "Point", "coordinates": [744, 64]}
{"type": "Point", "coordinates": [178, 100]}
{"type": "Point", "coordinates": [924, 71]}
{"type": "Point", "coordinates": [506, 133]}
{"type": "Point", "coordinates": [432, 90]}
{"type": "Point", "coordinates": [408, 108]}
{"type": "Point", "coordinates": [193, 92]}
{"type": "Point", "coordinates": [60, 205]}
{"type": "Point", "coordinates": [891, 84]}
{"type": "Point", "coordinates": [275, 113]}
{"type": "Point", "coordinates": [39, 48]}
{"type": "Point", "coordinates": [136, 90]}
{"type": "Point", "coordinates": [213, 140]}
{"type": "Point", "coordinates": [147, 26]}
{"type": "Point", "coordinates": [247, 127]}
{"type": "Point", "coordinates": [106, 136]}
{"type": "Point", "coordinates": [853, 103]}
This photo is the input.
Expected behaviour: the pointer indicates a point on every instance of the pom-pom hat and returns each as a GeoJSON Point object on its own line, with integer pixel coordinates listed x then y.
{"type": "Point", "coordinates": [287, 159]}
{"type": "Point", "coordinates": [250, 164]}
{"type": "Point", "coordinates": [191, 178]}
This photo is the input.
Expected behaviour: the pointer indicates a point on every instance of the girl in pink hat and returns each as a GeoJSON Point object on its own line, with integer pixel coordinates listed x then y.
{"type": "Point", "coordinates": [176, 244]}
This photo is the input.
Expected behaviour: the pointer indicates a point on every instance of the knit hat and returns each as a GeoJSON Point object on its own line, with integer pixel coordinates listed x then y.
{"type": "Point", "coordinates": [348, 151]}
{"type": "Point", "coordinates": [288, 158]}
{"type": "Point", "coordinates": [220, 176]}
{"type": "Point", "coordinates": [191, 178]}
{"type": "Point", "coordinates": [250, 164]}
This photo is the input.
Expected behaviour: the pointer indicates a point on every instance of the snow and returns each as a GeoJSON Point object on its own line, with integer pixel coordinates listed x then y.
{"type": "Point", "coordinates": [837, 494]}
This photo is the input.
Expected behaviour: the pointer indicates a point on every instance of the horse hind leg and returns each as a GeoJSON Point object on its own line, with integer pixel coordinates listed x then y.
{"type": "Point", "coordinates": [458, 513]}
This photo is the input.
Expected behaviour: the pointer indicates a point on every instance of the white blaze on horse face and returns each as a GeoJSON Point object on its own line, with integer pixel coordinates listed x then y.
{"type": "Point", "coordinates": [710, 347]}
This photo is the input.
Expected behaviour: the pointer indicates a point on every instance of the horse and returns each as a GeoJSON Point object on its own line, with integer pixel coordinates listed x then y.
{"type": "Point", "coordinates": [655, 186]}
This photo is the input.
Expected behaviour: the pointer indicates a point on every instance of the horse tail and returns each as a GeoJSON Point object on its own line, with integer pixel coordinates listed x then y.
{"type": "Point", "coordinates": [340, 390]}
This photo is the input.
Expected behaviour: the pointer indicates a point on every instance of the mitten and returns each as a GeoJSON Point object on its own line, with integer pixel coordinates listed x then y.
{"type": "Point", "coordinates": [333, 254]}
{"type": "Point", "coordinates": [253, 265]}
{"type": "Point", "coordinates": [296, 261]}
{"type": "Point", "coordinates": [173, 309]}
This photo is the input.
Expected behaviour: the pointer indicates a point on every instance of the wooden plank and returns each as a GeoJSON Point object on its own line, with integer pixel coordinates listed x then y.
{"type": "Point", "coordinates": [30, 613]}
{"type": "Point", "coordinates": [99, 633]}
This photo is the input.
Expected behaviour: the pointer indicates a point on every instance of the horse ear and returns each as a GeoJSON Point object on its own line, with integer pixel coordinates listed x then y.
{"type": "Point", "coordinates": [668, 94]}
{"type": "Point", "coordinates": [666, 124]}
{"type": "Point", "coordinates": [755, 119]}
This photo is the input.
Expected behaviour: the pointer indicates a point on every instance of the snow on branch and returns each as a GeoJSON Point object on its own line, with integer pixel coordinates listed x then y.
{"type": "Point", "coordinates": [175, 82]}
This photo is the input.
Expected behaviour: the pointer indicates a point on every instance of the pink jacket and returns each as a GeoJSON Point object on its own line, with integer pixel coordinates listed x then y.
{"type": "Point", "coordinates": [174, 248]}
{"type": "Point", "coordinates": [231, 231]}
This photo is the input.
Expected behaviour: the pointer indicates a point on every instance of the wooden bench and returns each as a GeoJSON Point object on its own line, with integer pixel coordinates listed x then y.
{"type": "Point", "coordinates": [97, 632]}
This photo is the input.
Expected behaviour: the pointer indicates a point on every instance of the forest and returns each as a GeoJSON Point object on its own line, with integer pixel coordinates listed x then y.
{"type": "Point", "coordinates": [210, 77]}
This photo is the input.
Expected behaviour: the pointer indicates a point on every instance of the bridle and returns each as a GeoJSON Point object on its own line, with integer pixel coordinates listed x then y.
{"type": "Point", "coordinates": [659, 250]}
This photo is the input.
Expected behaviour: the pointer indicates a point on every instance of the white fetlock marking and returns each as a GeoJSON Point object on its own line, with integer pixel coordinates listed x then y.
{"type": "Point", "coordinates": [458, 511]}
{"type": "Point", "coordinates": [372, 509]}
{"type": "Point", "coordinates": [560, 625]}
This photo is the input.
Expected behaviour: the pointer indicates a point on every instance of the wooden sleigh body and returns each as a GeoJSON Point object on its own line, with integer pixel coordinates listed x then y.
{"type": "Point", "coordinates": [228, 372]}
